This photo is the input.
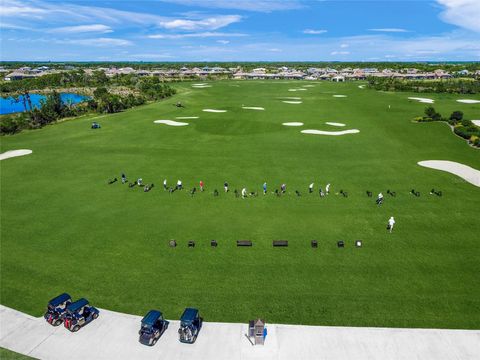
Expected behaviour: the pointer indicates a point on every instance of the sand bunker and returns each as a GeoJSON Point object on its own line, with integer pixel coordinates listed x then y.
{"type": "Point", "coordinates": [308, 86]}
{"type": "Point", "coordinates": [334, 124]}
{"type": "Point", "coordinates": [14, 153]}
{"type": "Point", "coordinates": [214, 110]}
{"type": "Point", "coordinates": [465, 172]}
{"type": "Point", "coordinates": [334, 133]}
{"type": "Point", "coordinates": [361, 86]}
{"type": "Point", "coordinates": [476, 122]}
{"type": "Point", "coordinates": [170, 122]}
{"type": "Point", "coordinates": [253, 108]}
{"type": "Point", "coordinates": [468, 101]}
{"type": "Point", "coordinates": [291, 98]}
{"type": "Point", "coordinates": [293, 124]}
{"type": "Point", "coordinates": [340, 96]}
{"type": "Point", "coordinates": [186, 117]}
{"type": "Point", "coordinates": [297, 89]}
{"type": "Point", "coordinates": [291, 102]}
{"type": "Point", "coordinates": [201, 86]}
{"type": "Point", "coordinates": [423, 100]}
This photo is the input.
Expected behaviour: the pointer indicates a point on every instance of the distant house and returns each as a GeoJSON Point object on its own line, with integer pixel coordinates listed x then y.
{"type": "Point", "coordinates": [338, 78]}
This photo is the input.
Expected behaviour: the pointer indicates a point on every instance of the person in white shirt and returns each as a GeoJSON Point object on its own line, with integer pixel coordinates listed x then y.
{"type": "Point", "coordinates": [310, 188]}
{"type": "Point", "coordinates": [179, 184]}
{"type": "Point", "coordinates": [391, 222]}
{"type": "Point", "coordinates": [165, 184]}
{"type": "Point", "coordinates": [327, 189]}
{"type": "Point", "coordinates": [139, 182]}
{"type": "Point", "coordinates": [244, 193]}
{"type": "Point", "coordinates": [379, 199]}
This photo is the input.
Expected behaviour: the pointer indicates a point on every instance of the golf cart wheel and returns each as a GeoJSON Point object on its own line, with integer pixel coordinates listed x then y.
{"type": "Point", "coordinates": [76, 328]}
{"type": "Point", "coordinates": [95, 315]}
{"type": "Point", "coordinates": [154, 341]}
{"type": "Point", "coordinates": [57, 322]}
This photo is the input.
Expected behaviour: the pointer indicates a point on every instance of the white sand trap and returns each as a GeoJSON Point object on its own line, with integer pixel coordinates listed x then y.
{"type": "Point", "coordinates": [201, 86]}
{"type": "Point", "coordinates": [214, 110]}
{"type": "Point", "coordinates": [465, 172]}
{"type": "Point", "coordinates": [293, 124]}
{"type": "Point", "coordinates": [291, 102]}
{"type": "Point", "coordinates": [334, 124]}
{"type": "Point", "coordinates": [14, 153]}
{"type": "Point", "coordinates": [476, 122]}
{"type": "Point", "coordinates": [468, 101]}
{"type": "Point", "coordinates": [308, 86]}
{"type": "Point", "coordinates": [253, 108]}
{"type": "Point", "coordinates": [297, 89]}
{"type": "Point", "coordinates": [291, 98]}
{"type": "Point", "coordinates": [361, 86]}
{"type": "Point", "coordinates": [170, 123]}
{"type": "Point", "coordinates": [340, 96]}
{"type": "Point", "coordinates": [186, 117]}
{"type": "Point", "coordinates": [334, 133]}
{"type": "Point", "coordinates": [423, 100]}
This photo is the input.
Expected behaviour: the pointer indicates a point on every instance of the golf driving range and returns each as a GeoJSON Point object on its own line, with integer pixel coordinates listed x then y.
{"type": "Point", "coordinates": [64, 228]}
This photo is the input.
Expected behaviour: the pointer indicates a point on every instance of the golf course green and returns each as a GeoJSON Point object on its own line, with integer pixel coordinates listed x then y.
{"type": "Point", "coordinates": [64, 229]}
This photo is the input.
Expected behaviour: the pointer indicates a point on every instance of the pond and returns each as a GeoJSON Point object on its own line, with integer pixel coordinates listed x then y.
{"type": "Point", "coordinates": [9, 105]}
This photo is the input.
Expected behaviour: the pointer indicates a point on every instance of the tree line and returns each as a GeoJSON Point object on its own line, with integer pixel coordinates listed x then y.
{"type": "Point", "coordinates": [452, 86]}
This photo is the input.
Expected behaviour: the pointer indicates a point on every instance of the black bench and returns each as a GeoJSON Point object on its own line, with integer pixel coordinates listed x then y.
{"type": "Point", "coordinates": [341, 244]}
{"type": "Point", "coordinates": [191, 243]}
{"type": "Point", "coordinates": [282, 243]}
{"type": "Point", "coordinates": [244, 243]}
{"type": "Point", "coordinates": [314, 243]}
{"type": "Point", "coordinates": [213, 243]}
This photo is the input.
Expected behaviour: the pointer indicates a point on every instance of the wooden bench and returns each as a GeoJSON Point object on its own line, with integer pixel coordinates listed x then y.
{"type": "Point", "coordinates": [280, 243]}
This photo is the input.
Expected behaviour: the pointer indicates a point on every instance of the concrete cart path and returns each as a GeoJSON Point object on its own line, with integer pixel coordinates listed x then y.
{"type": "Point", "coordinates": [115, 336]}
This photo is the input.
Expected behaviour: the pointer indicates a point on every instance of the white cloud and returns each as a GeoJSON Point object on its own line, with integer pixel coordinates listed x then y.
{"type": "Point", "coordinates": [224, 42]}
{"type": "Point", "coordinates": [343, 46]}
{"type": "Point", "coordinates": [246, 5]}
{"type": "Point", "coordinates": [194, 35]}
{"type": "Point", "coordinates": [210, 23]}
{"type": "Point", "coordinates": [314, 32]}
{"type": "Point", "coordinates": [274, 50]}
{"type": "Point", "coordinates": [340, 53]}
{"type": "Point", "coordinates": [463, 13]}
{"type": "Point", "coordinates": [54, 14]}
{"type": "Point", "coordinates": [391, 30]}
{"type": "Point", "coordinates": [98, 42]}
{"type": "Point", "coordinates": [99, 28]}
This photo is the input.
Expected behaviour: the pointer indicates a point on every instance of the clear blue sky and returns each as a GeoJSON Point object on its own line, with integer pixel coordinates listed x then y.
{"type": "Point", "coordinates": [240, 30]}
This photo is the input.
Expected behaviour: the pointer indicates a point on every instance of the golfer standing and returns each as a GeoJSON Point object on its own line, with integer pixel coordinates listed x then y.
{"type": "Point", "coordinates": [165, 184]}
{"type": "Point", "coordinates": [225, 186]}
{"type": "Point", "coordinates": [201, 185]}
{"type": "Point", "coordinates": [391, 222]}
{"type": "Point", "coordinates": [244, 193]}
{"type": "Point", "coordinates": [327, 189]}
{"type": "Point", "coordinates": [310, 188]}
{"type": "Point", "coordinates": [265, 188]}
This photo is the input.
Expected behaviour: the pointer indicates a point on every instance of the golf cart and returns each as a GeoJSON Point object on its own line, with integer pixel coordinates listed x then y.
{"type": "Point", "coordinates": [190, 325]}
{"type": "Point", "coordinates": [95, 125]}
{"type": "Point", "coordinates": [153, 326]}
{"type": "Point", "coordinates": [78, 314]}
{"type": "Point", "coordinates": [56, 309]}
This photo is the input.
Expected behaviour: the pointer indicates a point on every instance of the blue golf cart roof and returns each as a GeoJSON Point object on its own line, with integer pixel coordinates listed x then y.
{"type": "Point", "coordinates": [151, 317]}
{"type": "Point", "coordinates": [189, 315]}
{"type": "Point", "coordinates": [75, 306]}
{"type": "Point", "coordinates": [60, 299]}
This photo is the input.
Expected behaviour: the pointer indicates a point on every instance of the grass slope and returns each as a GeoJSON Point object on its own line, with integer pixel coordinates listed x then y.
{"type": "Point", "coordinates": [64, 229]}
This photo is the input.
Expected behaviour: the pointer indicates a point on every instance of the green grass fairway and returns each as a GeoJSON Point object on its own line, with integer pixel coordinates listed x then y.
{"type": "Point", "coordinates": [64, 229]}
